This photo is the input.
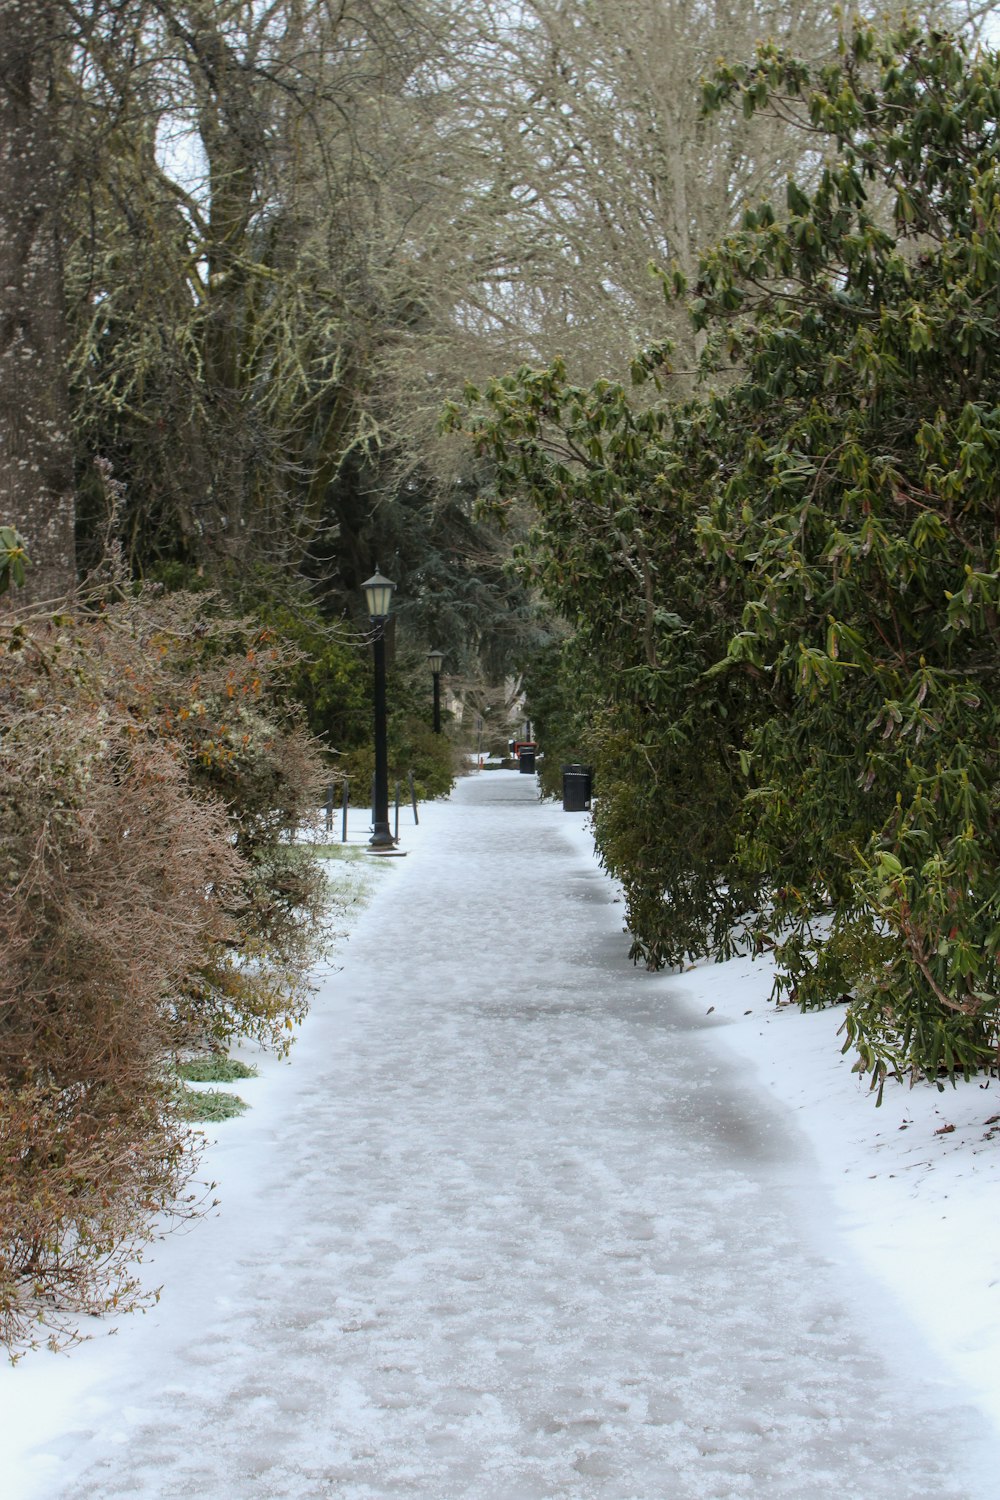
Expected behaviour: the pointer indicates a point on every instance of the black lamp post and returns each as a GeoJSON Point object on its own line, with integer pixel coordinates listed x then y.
{"type": "Point", "coordinates": [435, 658]}
{"type": "Point", "coordinates": [378, 593]}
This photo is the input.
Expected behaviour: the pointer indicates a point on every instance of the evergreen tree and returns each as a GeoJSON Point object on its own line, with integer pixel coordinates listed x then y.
{"type": "Point", "coordinates": [787, 585]}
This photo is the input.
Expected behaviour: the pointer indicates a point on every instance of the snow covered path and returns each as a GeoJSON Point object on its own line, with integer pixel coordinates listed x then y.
{"type": "Point", "coordinates": [509, 1229]}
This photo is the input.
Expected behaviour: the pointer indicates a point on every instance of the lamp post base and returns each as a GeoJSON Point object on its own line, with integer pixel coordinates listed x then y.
{"type": "Point", "coordinates": [381, 838]}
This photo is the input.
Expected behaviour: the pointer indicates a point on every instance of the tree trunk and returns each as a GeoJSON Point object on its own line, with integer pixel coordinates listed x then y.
{"type": "Point", "coordinates": [36, 454]}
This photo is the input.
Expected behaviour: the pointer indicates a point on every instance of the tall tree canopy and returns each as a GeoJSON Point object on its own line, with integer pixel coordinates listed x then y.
{"type": "Point", "coordinates": [36, 451]}
{"type": "Point", "coordinates": [290, 230]}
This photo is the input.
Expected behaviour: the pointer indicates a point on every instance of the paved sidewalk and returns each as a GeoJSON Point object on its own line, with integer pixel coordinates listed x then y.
{"type": "Point", "coordinates": [518, 1235]}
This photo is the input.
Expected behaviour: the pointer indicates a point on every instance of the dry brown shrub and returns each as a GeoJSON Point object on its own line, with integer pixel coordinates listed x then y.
{"type": "Point", "coordinates": [85, 1176]}
{"type": "Point", "coordinates": [215, 689]}
{"type": "Point", "coordinates": [148, 775]}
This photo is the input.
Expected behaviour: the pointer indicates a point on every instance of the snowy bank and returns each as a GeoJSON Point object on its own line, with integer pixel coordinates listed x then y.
{"type": "Point", "coordinates": [917, 1180]}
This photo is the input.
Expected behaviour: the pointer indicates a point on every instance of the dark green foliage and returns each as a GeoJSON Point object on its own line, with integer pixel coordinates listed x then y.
{"type": "Point", "coordinates": [614, 551]}
{"type": "Point", "coordinates": [13, 559]}
{"type": "Point", "coordinates": [448, 560]}
{"type": "Point", "coordinates": [787, 588]}
{"type": "Point", "coordinates": [561, 706]}
{"type": "Point", "coordinates": [856, 524]}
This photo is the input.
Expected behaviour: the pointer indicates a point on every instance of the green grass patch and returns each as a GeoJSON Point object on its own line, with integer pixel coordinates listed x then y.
{"type": "Point", "coordinates": [209, 1106]}
{"type": "Point", "coordinates": [214, 1069]}
{"type": "Point", "coordinates": [328, 851]}
{"type": "Point", "coordinates": [337, 851]}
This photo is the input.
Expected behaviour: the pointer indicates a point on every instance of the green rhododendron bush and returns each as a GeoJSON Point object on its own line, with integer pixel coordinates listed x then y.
{"type": "Point", "coordinates": [783, 573]}
{"type": "Point", "coordinates": [149, 902]}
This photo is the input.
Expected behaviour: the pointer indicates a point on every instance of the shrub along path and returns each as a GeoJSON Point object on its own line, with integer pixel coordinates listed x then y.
{"type": "Point", "coordinates": [506, 1230]}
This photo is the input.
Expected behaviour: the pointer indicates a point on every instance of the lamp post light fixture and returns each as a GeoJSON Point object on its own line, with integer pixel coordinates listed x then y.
{"type": "Point", "coordinates": [378, 594]}
{"type": "Point", "coordinates": [435, 658]}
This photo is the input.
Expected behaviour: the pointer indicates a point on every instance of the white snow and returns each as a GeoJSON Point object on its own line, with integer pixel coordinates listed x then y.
{"type": "Point", "coordinates": [518, 1221]}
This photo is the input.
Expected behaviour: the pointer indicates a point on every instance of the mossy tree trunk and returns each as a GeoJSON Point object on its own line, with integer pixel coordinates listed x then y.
{"type": "Point", "coordinates": [36, 453]}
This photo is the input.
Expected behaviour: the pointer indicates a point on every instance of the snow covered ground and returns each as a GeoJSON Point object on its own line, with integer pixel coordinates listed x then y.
{"type": "Point", "coordinates": [518, 1221]}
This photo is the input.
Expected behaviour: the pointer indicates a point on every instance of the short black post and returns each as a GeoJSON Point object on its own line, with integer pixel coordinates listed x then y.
{"type": "Point", "coordinates": [413, 797]}
{"type": "Point", "coordinates": [343, 816]}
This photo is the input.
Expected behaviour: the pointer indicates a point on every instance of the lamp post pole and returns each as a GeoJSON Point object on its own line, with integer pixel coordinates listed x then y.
{"type": "Point", "coordinates": [378, 593]}
{"type": "Point", "coordinates": [436, 658]}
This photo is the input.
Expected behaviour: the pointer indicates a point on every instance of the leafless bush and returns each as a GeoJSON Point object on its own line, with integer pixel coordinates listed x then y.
{"type": "Point", "coordinates": [148, 775]}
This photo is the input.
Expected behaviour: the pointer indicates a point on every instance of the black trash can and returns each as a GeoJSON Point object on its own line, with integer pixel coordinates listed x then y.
{"type": "Point", "coordinates": [526, 760]}
{"type": "Point", "coordinates": [577, 788]}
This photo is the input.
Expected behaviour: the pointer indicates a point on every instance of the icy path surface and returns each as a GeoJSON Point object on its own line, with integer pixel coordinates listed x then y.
{"type": "Point", "coordinates": [516, 1233]}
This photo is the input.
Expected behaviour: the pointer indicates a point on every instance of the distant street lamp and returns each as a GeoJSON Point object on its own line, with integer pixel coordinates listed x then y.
{"type": "Point", "coordinates": [378, 594]}
{"type": "Point", "coordinates": [435, 658]}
